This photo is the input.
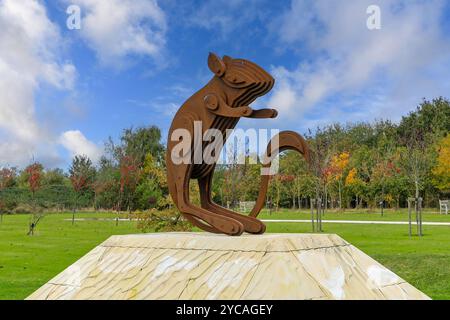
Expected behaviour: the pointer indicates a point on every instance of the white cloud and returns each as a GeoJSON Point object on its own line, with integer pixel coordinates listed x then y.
{"type": "Point", "coordinates": [382, 73]}
{"type": "Point", "coordinates": [75, 142]}
{"type": "Point", "coordinates": [115, 29]}
{"type": "Point", "coordinates": [29, 47]}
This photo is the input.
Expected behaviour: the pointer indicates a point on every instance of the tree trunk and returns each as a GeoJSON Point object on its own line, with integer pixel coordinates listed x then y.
{"type": "Point", "coordinates": [340, 196]}
{"type": "Point", "coordinates": [417, 188]}
{"type": "Point", "coordinates": [118, 209]}
{"type": "Point", "coordinates": [32, 225]}
{"type": "Point", "coordinates": [74, 208]}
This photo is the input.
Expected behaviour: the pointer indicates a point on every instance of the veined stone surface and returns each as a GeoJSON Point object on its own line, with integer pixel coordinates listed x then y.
{"type": "Point", "coordinates": [207, 266]}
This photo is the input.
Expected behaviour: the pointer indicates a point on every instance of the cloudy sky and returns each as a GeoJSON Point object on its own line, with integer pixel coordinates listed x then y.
{"type": "Point", "coordinates": [134, 62]}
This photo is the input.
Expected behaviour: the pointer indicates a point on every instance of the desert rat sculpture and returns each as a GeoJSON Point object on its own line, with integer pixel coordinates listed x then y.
{"type": "Point", "coordinates": [219, 105]}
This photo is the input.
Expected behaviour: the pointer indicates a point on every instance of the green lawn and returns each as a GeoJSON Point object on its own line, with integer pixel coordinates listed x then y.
{"type": "Point", "coordinates": [28, 262]}
{"type": "Point", "coordinates": [389, 215]}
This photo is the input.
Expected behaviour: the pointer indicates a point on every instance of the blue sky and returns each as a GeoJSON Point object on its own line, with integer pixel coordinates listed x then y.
{"type": "Point", "coordinates": [134, 62]}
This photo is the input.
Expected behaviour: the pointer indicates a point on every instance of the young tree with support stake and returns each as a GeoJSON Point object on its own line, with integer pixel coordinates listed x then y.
{"type": "Point", "coordinates": [34, 177]}
{"type": "Point", "coordinates": [320, 156]}
{"type": "Point", "coordinates": [416, 161]}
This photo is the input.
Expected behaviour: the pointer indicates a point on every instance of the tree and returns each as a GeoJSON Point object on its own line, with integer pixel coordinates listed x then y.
{"type": "Point", "coordinates": [54, 177]}
{"type": "Point", "coordinates": [152, 190]}
{"type": "Point", "coordinates": [384, 168]}
{"type": "Point", "coordinates": [129, 177]}
{"type": "Point", "coordinates": [7, 177]}
{"type": "Point", "coordinates": [137, 143]}
{"type": "Point", "coordinates": [82, 176]}
{"type": "Point", "coordinates": [292, 164]}
{"type": "Point", "coordinates": [441, 171]}
{"type": "Point", "coordinates": [250, 180]}
{"type": "Point", "coordinates": [431, 119]}
{"type": "Point", "coordinates": [233, 173]}
{"type": "Point", "coordinates": [416, 157]}
{"type": "Point", "coordinates": [335, 171]}
{"type": "Point", "coordinates": [34, 177]}
{"type": "Point", "coordinates": [106, 186]}
{"type": "Point", "coordinates": [356, 185]}
{"type": "Point", "coordinates": [7, 180]}
{"type": "Point", "coordinates": [321, 150]}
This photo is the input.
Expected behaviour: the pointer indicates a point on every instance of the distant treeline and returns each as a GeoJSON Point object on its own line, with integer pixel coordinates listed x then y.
{"type": "Point", "coordinates": [352, 165]}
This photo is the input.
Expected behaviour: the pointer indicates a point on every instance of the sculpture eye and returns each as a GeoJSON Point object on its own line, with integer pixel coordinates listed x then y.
{"type": "Point", "coordinates": [233, 78]}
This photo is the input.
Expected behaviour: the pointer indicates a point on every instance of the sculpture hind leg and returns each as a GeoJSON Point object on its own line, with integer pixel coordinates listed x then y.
{"type": "Point", "coordinates": [251, 225]}
{"type": "Point", "coordinates": [178, 178]}
{"type": "Point", "coordinates": [204, 219]}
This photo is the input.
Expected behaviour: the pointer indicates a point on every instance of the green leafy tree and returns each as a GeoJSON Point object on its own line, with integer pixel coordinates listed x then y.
{"type": "Point", "coordinates": [137, 143]}
{"type": "Point", "coordinates": [106, 185]}
{"type": "Point", "coordinates": [152, 190]}
{"type": "Point", "coordinates": [430, 121]}
{"type": "Point", "coordinates": [54, 177]}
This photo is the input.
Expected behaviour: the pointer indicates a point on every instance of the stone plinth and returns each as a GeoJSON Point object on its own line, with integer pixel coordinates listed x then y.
{"type": "Point", "coordinates": [206, 266]}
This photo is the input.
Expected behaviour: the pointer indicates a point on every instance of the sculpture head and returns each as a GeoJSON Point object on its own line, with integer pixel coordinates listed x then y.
{"type": "Point", "coordinates": [243, 81]}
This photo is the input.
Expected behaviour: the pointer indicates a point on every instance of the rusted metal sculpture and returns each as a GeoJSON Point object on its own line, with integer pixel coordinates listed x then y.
{"type": "Point", "coordinates": [220, 105]}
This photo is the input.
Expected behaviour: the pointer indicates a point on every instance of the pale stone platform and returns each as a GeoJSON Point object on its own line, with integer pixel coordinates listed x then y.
{"type": "Point", "coordinates": [206, 266]}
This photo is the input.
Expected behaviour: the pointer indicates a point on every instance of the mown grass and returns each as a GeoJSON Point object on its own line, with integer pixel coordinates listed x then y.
{"type": "Point", "coordinates": [389, 215]}
{"type": "Point", "coordinates": [27, 262]}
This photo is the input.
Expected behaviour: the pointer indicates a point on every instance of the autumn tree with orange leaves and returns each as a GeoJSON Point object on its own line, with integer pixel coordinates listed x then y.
{"type": "Point", "coordinates": [441, 170]}
{"type": "Point", "coordinates": [335, 172]}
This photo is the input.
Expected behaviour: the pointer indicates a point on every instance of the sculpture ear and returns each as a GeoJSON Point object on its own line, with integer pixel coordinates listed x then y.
{"type": "Point", "coordinates": [216, 65]}
{"type": "Point", "coordinates": [227, 59]}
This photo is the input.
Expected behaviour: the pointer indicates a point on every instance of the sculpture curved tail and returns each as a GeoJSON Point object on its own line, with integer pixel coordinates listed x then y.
{"type": "Point", "coordinates": [285, 140]}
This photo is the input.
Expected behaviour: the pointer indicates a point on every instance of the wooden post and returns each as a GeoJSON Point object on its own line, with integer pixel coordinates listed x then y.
{"type": "Point", "coordinates": [416, 207]}
{"type": "Point", "coordinates": [321, 215]}
{"type": "Point", "coordinates": [320, 207]}
{"type": "Point", "coordinates": [409, 216]}
{"type": "Point", "coordinates": [418, 211]}
{"type": "Point", "coordinates": [317, 214]}
{"type": "Point", "coordinates": [420, 217]}
{"type": "Point", "coordinates": [382, 207]}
